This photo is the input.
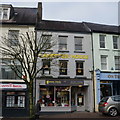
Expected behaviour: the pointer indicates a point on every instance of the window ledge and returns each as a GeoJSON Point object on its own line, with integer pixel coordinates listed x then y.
{"type": "Point", "coordinates": [63, 51]}
{"type": "Point", "coordinates": [118, 50]}
{"type": "Point", "coordinates": [77, 51]}
{"type": "Point", "coordinates": [106, 49]}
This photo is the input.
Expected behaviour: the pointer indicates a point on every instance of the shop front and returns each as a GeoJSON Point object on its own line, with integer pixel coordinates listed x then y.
{"type": "Point", "coordinates": [63, 95]}
{"type": "Point", "coordinates": [107, 84]}
{"type": "Point", "coordinates": [14, 99]}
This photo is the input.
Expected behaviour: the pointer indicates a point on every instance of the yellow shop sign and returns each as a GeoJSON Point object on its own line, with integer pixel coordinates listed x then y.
{"type": "Point", "coordinates": [63, 56]}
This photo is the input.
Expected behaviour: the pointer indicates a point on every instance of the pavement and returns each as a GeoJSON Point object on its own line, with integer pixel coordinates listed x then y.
{"type": "Point", "coordinates": [70, 116]}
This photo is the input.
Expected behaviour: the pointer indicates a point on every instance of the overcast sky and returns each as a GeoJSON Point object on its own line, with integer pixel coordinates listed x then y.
{"type": "Point", "coordinates": [98, 12]}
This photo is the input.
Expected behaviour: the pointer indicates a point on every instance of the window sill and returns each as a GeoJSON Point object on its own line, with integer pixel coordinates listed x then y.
{"type": "Point", "coordinates": [63, 51]}
{"type": "Point", "coordinates": [80, 76]}
{"type": "Point", "coordinates": [77, 51]}
{"type": "Point", "coordinates": [106, 49]}
{"type": "Point", "coordinates": [118, 50]}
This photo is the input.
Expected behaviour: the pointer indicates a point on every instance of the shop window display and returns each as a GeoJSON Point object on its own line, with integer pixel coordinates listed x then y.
{"type": "Point", "coordinates": [47, 96]}
{"type": "Point", "coordinates": [54, 96]}
{"type": "Point", "coordinates": [62, 96]}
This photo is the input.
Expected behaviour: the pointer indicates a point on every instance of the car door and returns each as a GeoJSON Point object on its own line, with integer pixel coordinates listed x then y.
{"type": "Point", "coordinates": [119, 103]}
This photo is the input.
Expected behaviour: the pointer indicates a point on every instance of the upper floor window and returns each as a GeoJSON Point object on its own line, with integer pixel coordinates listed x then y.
{"type": "Point", "coordinates": [47, 41]}
{"type": "Point", "coordinates": [4, 14]}
{"type": "Point", "coordinates": [7, 72]}
{"type": "Point", "coordinates": [13, 36]}
{"type": "Point", "coordinates": [78, 43]}
{"type": "Point", "coordinates": [103, 62]}
{"type": "Point", "coordinates": [115, 42]}
{"type": "Point", "coordinates": [63, 43]}
{"type": "Point", "coordinates": [63, 67]}
{"type": "Point", "coordinates": [46, 67]}
{"type": "Point", "coordinates": [79, 68]}
{"type": "Point", "coordinates": [117, 62]}
{"type": "Point", "coordinates": [102, 41]}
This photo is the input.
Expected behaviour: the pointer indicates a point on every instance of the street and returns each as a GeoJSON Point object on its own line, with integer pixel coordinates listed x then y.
{"type": "Point", "coordinates": [78, 116]}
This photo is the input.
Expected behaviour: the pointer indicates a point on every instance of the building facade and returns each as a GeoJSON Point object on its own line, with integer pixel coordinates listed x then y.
{"type": "Point", "coordinates": [106, 52]}
{"type": "Point", "coordinates": [67, 85]}
{"type": "Point", "coordinates": [14, 94]}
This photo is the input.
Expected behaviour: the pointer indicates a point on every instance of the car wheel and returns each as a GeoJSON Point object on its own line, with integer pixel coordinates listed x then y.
{"type": "Point", "coordinates": [113, 112]}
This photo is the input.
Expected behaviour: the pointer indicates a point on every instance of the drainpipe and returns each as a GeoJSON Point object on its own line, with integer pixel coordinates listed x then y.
{"type": "Point", "coordinates": [93, 68]}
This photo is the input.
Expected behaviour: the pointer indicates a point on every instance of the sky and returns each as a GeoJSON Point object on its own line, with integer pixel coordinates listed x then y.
{"type": "Point", "coordinates": [96, 11]}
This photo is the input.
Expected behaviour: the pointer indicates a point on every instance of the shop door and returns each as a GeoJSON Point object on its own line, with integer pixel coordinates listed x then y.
{"type": "Point", "coordinates": [106, 89]}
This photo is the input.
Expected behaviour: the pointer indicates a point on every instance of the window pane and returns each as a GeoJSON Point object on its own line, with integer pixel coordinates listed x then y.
{"type": "Point", "coordinates": [117, 62]}
{"type": "Point", "coordinates": [103, 62]}
{"type": "Point", "coordinates": [115, 42]}
{"type": "Point", "coordinates": [46, 67]}
{"type": "Point", "coordinates": [79, 68]}
{"type": "Point", "coordinates": [102, 41]}
{"type": "Point", "coordinates": [63, 68]}
{"type": "Point", "coordinates": [78, 43]}
{"type": "Point", "coordinates": [62, 43]}
{"type": "Point", "coordinates": [5, 13]}
{"type": "Point", "coordinates": [47, 96]}
{"type": "Point", "coordinates": [13, 37]}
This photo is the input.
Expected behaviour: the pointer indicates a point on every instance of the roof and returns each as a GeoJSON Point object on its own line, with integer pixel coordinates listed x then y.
{"type": "Point", "coordinates": [24, 16]}
{"type": "Point", "coordinates": [61, 26]}
{"type": "Point", "coordinates": [101, 28]}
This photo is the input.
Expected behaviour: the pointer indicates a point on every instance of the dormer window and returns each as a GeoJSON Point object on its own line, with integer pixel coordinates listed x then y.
{"type": "Point", "coordinates": [4, 13]}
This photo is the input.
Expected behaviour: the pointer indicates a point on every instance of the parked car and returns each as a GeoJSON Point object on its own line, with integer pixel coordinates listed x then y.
{"type": "Point", "coordinates": [110, 105]}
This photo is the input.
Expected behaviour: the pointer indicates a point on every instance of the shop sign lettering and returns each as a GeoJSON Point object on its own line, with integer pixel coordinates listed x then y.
{"type": "Point", "coordinates": [64, 82]}
{"type": "Point", "coordinates": [63, 56]}
{"type": "Point", "coordinates": [113, 76]}
{"type": "Point", "coordinates": [10, 85]}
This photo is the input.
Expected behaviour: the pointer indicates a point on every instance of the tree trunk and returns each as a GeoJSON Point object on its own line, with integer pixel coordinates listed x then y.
{"type": "Point", "coordinates": [31, 104]}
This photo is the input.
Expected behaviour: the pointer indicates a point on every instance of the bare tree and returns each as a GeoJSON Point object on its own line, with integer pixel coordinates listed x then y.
{"type": "Point", "coordinates": [25, 52]}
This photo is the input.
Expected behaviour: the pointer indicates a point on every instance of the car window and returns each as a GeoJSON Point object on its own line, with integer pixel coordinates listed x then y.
{"type": "Point", "coordinates": [117, 98]}
{"type": "Point", "coordinates": [104, 99]}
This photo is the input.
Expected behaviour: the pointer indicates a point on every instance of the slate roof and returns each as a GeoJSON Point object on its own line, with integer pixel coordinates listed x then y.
{"type": "Point", "coordinates": [101, 28]}
{"type": "Point", "coordinates": [61, 26]}
{"type": "Point", "coordinates": [24, 16]}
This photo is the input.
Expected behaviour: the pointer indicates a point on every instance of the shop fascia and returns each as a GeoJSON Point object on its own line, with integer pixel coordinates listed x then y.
{"type": "Point", "coordinates": [12, 86]}
{"type": "Point", "coordinates": [63, 56]}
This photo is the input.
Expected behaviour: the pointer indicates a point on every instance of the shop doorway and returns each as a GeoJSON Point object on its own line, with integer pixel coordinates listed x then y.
{"type": "Point", "coordinates": [106, 89]}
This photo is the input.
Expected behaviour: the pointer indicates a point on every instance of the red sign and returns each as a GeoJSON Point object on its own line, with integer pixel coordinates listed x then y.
{"type": "Point", "coordinates": [13, 86]}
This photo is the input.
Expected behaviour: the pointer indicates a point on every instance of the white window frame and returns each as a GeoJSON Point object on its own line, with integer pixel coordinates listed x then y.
{"type": "Point", "coordinates": [117, 62]}
{"type": "Point", "coordinates": [2, 11]}
{"type": "Point", "coordinates": [102, 42]}
{"type": "Point", "coordinates": [104, 63]}
{"type": "Point", "coordinates": [80, 45]}
{"type": "Point", "coordinates": [116, 43]}
{"type": "Point", "coordinates": [63, 46]}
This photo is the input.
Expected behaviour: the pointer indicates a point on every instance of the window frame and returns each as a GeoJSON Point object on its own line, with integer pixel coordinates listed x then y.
{"type": "Point", "coordinates": [2, 11]}
{"type": "Point", "coordinates": [13, 35]}
{"type": "Point", "coordinates": [63, 70]}
{"type": "Point", "coordinates": [102, 42]}
{"type": "Point", "coordinates": [117, 63]}
{"type": "Point", "coordinates": [81, 68]}
{"type": "Point", "coordinates": [81, 43]}
{"type": "Point", "coordinates": [116, 43]}
{"type": "Point", "coordinates": [46, 67]}
{"type": "Point", "coordinates": [61, 44]}
{"type": "Point", "coordinates": [104, 64]}
{"type": "Point", "coordinates": [15, 101]}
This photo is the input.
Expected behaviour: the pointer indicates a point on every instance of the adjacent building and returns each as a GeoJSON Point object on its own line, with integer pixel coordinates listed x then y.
{"type": "Point", "coordinates": [106, 60]}
{"type": "Point", "coordinates": [14, 21]}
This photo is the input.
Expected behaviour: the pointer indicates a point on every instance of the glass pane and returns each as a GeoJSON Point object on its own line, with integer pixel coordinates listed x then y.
{"type": "Point", "coordinates": [47, 96]}
{"type": "Point", "coordinates": [62, 96]}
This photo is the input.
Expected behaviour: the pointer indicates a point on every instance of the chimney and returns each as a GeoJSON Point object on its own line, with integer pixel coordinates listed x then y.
{"type": "Point", "coordinates": [39, 13]}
